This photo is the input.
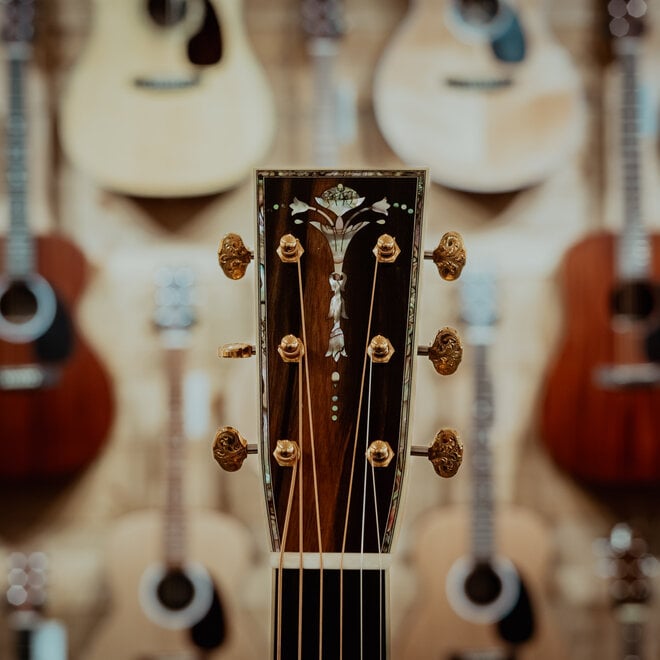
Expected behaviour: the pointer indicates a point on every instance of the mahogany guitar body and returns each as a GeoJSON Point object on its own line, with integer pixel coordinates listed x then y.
{"type": "Point", "coordinates": [142, 119]}
{"type": "Point", "coordinates": [218, 543]}
{"type": "Point", "coordinates": [434, 631]}
{"type": "Point", "coordinates": [56, 429]}
{"type": "Point", "coordinates": [603, 436]}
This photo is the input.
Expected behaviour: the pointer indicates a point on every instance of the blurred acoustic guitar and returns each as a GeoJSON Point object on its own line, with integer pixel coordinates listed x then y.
{"type": "Point", "coordinates": [600, 414]}
{"type": "Point", "coordinates": [338, 263]}
{"type": "Point", "coordinates": [174, 572]}
{"type": "Point", "coordinates": [167, 99]}
{"type": "Point", "coordinates": [480, 92]}
{"type": "Point", "coordinates": [56, 398]}
{"type": "Point", "coordinates": [481, 571]}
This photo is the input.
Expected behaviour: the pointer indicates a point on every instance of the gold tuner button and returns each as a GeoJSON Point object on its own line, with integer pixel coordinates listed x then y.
{"type": "Point", "coordinates": [379, 454]}
{"type": "Point", "coordinates": [230, 449]}
{"type": "Point", "coordinates": [446, 351]}
{"type": "Point", "coordinates": [386, 249]}
{"type": "Point", "coordinates": [286, 453]}
{"type": "Point", "coordinates": [289, 250]}
{"type": "Point", "coordinates": [233, 256]}
{"type": "Point", "coordinates": [291, 349]}
{"type": "Point", "coordinates": [449, 256]}
{"type": "Point", "coordinates": [237, 350]}
{"type": "Point", "coordinates": [446, 452]}
{"type": "Point", "coordinates": [380, 349]}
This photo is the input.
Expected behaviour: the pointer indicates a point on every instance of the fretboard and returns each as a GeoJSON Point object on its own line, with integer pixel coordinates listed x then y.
{"type": "Point", "coordinates": [633, 249]}
{"type": "Point", "coordinates": [19, 257]}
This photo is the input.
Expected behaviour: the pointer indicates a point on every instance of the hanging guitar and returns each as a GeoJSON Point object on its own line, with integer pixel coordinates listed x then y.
{"type": "Point", "coordinates": [480, 92]}
{"type": "Point", "coordinates": [173, 571]}
{"type": "Point", "coordinates": [167, 99]}
{"type": "Point", "coordinates": [601, 406]}
{"type": "Point", "coordinates": [56, 399]}
{"type": "Point", "coordinates": [338, 262]}
{"type": "Point", "coordinates": [481, 572]}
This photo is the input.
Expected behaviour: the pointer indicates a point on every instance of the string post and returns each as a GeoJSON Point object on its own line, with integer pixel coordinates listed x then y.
{"type": "Point", "coordinates": [286, 453]}
{"type": "Point", "coordinates": [446, 351]}
{"type": "Point", "coordinates": [230, 449]}
{"type": "Point", "coordinates": [380, 349]}
{"type": "Point", "coordinates": [379, 454]}
{"type": "Point", "coordinates": [290, 250]}
{"type": "Point", "coordinates": [449, 257]}
{"type": "Point", "coordinates": [237, 350]}
{"type": "Point", "coordinates": [386, 249]}
{"type": "Point", "coordinates": [233, 256]}
{"type": "Point", "coordinates": [291, 348]}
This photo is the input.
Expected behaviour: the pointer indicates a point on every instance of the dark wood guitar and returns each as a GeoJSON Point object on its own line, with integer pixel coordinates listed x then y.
{"type": "Point", "coordinates": [338, 264]}
{"type": "Point", "coordinates": [481, 570]}
{"type": "Point", "coordinates": [56, 399]}
{"type": "Point", "coordinates": [601, 406]}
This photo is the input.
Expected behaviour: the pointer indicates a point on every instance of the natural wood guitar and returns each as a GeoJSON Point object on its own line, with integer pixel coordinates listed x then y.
{"type": "Point", "coordinates": [174, 573]}
{"type": "Point", "coordinates": [338, 265]}
{"type": "Point", "coordinates": [56, 398]}
{"type": "Point", "coordinates": [148, 113]}
{"type": "Point", "coordinates": [601, 404]}
{"type": "Point", "coordinates": [480, 92]}
{"type": "Point", "coordinates": [481, 572]}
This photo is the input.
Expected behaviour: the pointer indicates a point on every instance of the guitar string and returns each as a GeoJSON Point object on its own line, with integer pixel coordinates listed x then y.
{"type": "Point", "coordinates": [380, 568]}
{"type": "Point", "coordinates": [300, 507]}
{"type": "Point", "coordinates": [350, 483]}
{"type": "Point", "coordinates": [313, 450]}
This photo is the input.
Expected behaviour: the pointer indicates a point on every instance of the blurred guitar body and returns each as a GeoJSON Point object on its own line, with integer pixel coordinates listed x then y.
{"type": "Point", "coordinates": [145, 114]}
{"type": "Point", "coordinates": [480, 92]}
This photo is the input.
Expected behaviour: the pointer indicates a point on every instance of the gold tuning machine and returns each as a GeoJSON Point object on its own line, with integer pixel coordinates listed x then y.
{"type": "Point", "coordinates": [446, 351]}
{"type": "Point", "coordinates": [230, 449]}
{"type": "Point", "coordinates": [449, 256]}
{"type": "Point", "coordinates": [237, 350]}
{"type": "Point", "coordinates": [233, 256]}
{"type": "Point", "coordinates": [446, 452]}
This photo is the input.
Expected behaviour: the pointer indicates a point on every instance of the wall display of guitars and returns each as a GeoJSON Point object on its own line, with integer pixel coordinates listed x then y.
{"type": "Point", "coordinates": [338, 257]}
{"type": "Point", "coordinates": [175, 573]}
{"type": "Point", "coordinates": [601, 406]}
{"type": "Point", "coordinates": [167, 99]}
{"type": "Point", "coordinates": [480, 92]}
{"type": "Point", "coordinates": [56, 399]}
{"type": "Point", "coordinates": [481, 572]}
{"type": "Point", "coordinates": [35, 635]}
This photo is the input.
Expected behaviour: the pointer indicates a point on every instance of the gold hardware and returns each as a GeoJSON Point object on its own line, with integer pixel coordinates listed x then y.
{"type": "Point", "coordinates": [230, 449]}
{"type": "Point", "coordinates": [449, 256]}
{"type": "Point", "coordinates": [286, 453]}
{"type": "Point", "coordinates": [379, 454]}
{"type": "Point", "coordinates": [237, 350]}
{"type": "Point", "coordinates": [446, 452]}
{"type": "Point", "coordinates": [233, 256]}
{"type": "Point", "coordinates": [445, 353]}
{"type": "Point", "coordinates": [291, 349]}
{"type": "Point", "coordinates": [386, 249]}
{"type": "Point", "coordinates": [290, 249]}
{"type": "Point", "coordinates": [380, 349]}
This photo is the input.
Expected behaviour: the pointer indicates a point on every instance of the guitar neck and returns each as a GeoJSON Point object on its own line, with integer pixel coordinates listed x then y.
{"type": "Point", "coordinates": [20, 257]}
{"type": "Point", "coordinates": [631, 628]}
{"type": "Point", "coordinates": [352, 614]}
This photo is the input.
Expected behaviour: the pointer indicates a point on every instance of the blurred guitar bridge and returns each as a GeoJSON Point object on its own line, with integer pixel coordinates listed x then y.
{"type": "Point", "coordinates": [624, 376]}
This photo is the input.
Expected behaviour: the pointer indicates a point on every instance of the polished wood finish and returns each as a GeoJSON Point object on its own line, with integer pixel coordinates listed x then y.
{"type": "Point", "coordinates": [55, 431]}
{"type": "Point", "coordinates": [599, 435]}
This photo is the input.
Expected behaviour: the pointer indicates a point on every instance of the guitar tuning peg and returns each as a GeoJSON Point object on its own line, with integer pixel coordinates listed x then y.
{"type": "Point", "coordinates": [446, 351]}
{"type": "Point", "coordinates": [230, 449]}
{"type": "Point", "coordinates": [449, 256]}
{"type": "Point", "coordinates": [445, 454]}
{"type": "Point", "coordinates": [233, 256]}
{"type": "Point", "coordinates": [237, 350]}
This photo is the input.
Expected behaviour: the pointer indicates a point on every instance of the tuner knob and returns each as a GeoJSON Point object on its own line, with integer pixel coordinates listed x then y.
{"type": "Point", "coordinates": [233, 256]}
{"type": "Point", "coordinates": [230, 449]}
{"type": "Point", "coordinates": [449, 256]}
{"type": "Point", "coordinates": [446, 351]}
{"type": "Point", "coordinates": [237, 350]}
{"type": "Point", "coordinates": [446, 452]}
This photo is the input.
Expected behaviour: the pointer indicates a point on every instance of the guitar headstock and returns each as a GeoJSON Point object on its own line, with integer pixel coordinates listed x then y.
{"type": "Point", "coordinates": [323, 18]}
{"type": "Point", "coordinates": [18, 21]}
{"type": "Point", "coordinates": [174, 313]}
{"type": "Point", "coordinates": [27, 579]}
